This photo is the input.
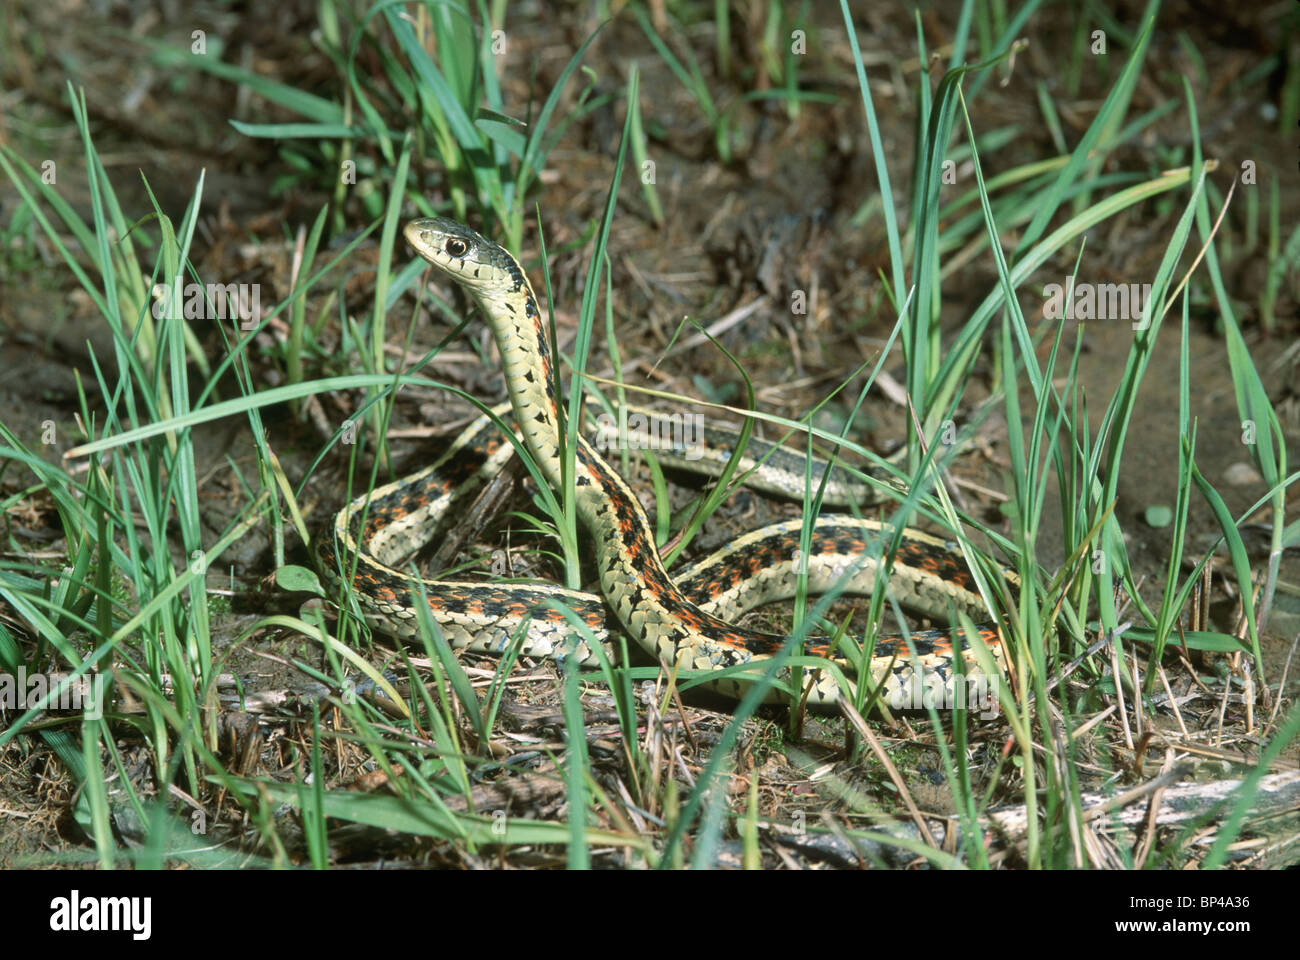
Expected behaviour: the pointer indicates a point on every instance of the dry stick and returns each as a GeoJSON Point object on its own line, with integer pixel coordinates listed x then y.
{"type": "Point", "coordinates": [678, 759]}
{"type": "Point", "coordinates": [864, 731]}
{"type": "Point", "coordinates": [1223, 710]}
{"type": "Point", "coordinates": [1182, 652]}
{"type": "Point", "coordinates": [1139, 721]}
{"type": "Point", "coordinates": [622, 816]}
{"type": "Point", "coordinates": [671, 672]}
{"type": "Point", "coordinates": [654, 734]}
{"type": "Point", "coordinates": [1153, 815]}
{"type": "Point", "coordinates": [995, 495]}
{"type": "Point", "coordinates": [1141, 790]}
{"type": "Point", "coordinates": [1119, 692]}
{"type": "Point", "coordinates": [1203, 590]}
{"type": "Point", "coordinates": [1235, 666]}
{"type": "Point", "coordinates": [336, 715]}
{"type": "Point", "coordinates": [790, 862]}
{"type": "Point", "coordinates": [1173, 703]}
{"type": "Point", "coordinates": [1247, 682]}
{"type": "Point", "coordinates": [1092, 844]}
{"type": "Point", "coordinates": [1084, 728]}
{"type": "Point", "coordinates": [1248, 694]}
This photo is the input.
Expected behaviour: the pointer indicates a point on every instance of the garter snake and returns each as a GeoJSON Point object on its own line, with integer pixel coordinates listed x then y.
{"type": "Point", "coordinates": [682, 619]}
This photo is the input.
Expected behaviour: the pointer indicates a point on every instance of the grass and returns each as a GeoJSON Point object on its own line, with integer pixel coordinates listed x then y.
{"type": "Point", "coordinates": [129, 596]}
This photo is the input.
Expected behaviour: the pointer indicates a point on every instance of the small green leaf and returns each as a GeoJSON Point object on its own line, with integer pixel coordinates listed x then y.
{"type": "Point", "coordinates": [1158, 516]}
{"type": "Point", "coordinates": [289, 131]}
{"type": "Point", "coordinates": [483, 113]}
{"type": "Point", "coordinates": [505, 135]}
{"type": "Point", "coordinates": [1195, 640]}
{"type": "Point", "coordinates": [295, 578]}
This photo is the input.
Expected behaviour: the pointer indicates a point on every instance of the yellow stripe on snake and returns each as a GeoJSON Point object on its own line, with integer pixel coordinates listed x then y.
{"type": "Point", "coordinates": [683, 619]}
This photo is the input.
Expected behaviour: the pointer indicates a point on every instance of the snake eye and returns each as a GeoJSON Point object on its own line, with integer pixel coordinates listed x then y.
{"type": "Point", "coordinates": [456, 247]}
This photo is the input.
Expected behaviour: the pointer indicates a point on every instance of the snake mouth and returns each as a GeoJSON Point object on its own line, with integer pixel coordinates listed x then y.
{"type": "Point", "coordinates": [419, 233]}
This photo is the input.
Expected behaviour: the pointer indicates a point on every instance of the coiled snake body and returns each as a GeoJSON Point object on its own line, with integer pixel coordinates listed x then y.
{"type": "Point", "coordinates": [682, 619]}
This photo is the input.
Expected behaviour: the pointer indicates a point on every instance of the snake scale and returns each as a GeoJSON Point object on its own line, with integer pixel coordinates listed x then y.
{"type": "Point", "coordinates": [684, 618]}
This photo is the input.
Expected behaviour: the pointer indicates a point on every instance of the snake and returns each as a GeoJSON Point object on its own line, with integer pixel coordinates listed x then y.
{"type": "Point", "coordinates": [685, 619]}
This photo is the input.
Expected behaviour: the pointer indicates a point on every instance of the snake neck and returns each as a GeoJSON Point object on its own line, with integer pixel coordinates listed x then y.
{"type": "Point", "coordinates": [525, 351]}
{"type": "Point", "coordinates": [633, 578]}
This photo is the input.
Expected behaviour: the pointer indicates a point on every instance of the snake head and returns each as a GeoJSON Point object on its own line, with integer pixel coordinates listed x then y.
{"type": "Point", "coordinates": [463, 254]}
